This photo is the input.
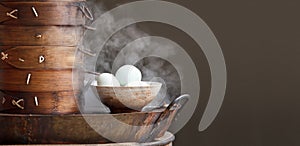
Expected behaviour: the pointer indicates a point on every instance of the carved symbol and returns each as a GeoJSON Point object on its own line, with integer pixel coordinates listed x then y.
{"type": "Point", "coordinates": [4, 56]}
{"type": "Point", "coordinates": [35, 12]}
{"type": "Point", "coordinates": [10, 14]}
{"type": "Point", "coordinates": [41, 59]}
{"type": "Point", "coordinates": [16, 103]}
{"type": "Point", "coordinates": [28, 79]}
{"type": "Point", "coordinates": [36, 101]}
{"type": "Point", "coordinates": [38, 36]}
{"type": "Point", "coordinates": [3, 100]}
{"type": "Point", "coordinates": [22, 60]}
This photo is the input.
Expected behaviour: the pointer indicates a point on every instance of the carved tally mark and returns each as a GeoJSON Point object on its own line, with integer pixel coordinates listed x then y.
{"type": "Point", "coordinates": [4, 56]}
{"type": "Point", "coordinates": [11, 14]}
{"type": "Point", "coordinates": [35, 12]}
{"type": "Point", "coordinates": [16, 103]}
{"type": "Point", "coordinates": [3, 100]}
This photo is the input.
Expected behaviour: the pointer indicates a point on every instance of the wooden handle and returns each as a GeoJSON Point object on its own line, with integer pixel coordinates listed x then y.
{"type": "Point", "coordinates": [40, 36]}
{"type": "Point", "coordinates": [38, 57]}
{"type": "Point", "coordinates": [43, 13]}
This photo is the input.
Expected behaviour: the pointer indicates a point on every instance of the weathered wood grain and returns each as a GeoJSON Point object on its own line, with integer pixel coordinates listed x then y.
{"type": "Point", "coordinates": [48, 13]}
{"type": "Point", "coordinates": [39, 57]}
{"type": "Point", "coordinates": [75, 129]}
{"type": "Point", "coordinates": [40, 102]}
{"type": "Point", "coordinates": [40, 35]}
{"type": "Point", "coordinates": [40, 80]}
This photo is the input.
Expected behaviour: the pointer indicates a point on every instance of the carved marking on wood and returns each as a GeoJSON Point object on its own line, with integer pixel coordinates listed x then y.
{"type": "Point", "coordinates": [28, 78]}
{"type": "Point", "coordinates": [16, 103]}
{"type": "Point", "coordinates": [22, 60]}
{"type": "Point", "coordinates": [4, 56]}
{"type": "Point", "coordinates": [38, 36]}
{"type": "Point", "coordinates": [41, 59]}
{"type": "Point", "coordinates": [3, 100]}
{"type": "Point", "coordinates": [36, 101]}
{"type": "Point", "coordinates": [35, 12]}
{"type": "Point", "coordinates": [10, 14]}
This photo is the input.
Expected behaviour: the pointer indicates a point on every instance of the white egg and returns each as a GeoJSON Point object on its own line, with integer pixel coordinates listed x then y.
{"type": "Point", "coordinates": [107, 79]}
{"type": "Point", "coordinates": [137, 84]}
{"type": "Point", "coordinates": [127, 74]}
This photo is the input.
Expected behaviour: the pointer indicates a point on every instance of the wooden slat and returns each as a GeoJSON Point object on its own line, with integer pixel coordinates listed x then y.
{"type": "Point", "coordinates": [40, 80]}
{"type": "Point", "coordinates": [49, 35]}
{"type": "Point", "coordinates": [49, 13]}
{"type": "Point", "coordinates": [40, 102]}
{"type": "Point", "coordinates": [28, 57]}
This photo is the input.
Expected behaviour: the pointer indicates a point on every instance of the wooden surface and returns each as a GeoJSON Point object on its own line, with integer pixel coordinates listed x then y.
{"type": "Point", "coordinates": [70, 129]}
{"type": "Point", "coordinates": [45, 103]}
{"type": "Point", "coordinates": [48, 13]}
{"type": "Point", "coordinates": [40, 80]}
{"type": "Point", "coordinates": [50, 35]}
{"type": "Point", "coordinates": [55, 57]}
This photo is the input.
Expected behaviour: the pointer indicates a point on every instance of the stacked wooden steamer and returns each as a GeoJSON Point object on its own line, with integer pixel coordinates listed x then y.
{"type": "Point", "coordinates": [38, 42]}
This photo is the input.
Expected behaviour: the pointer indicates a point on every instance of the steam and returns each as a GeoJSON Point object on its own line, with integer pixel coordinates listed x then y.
{"type": "Point", "coordinates": [113, 54]}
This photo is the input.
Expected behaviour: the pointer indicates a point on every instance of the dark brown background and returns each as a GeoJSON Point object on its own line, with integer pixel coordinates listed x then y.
{"type": "Point", "coordinates": [261, 44]}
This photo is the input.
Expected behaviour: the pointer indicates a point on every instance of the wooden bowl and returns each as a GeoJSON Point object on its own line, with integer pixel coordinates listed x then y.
{"type": "Point", "coordinates": [127, 99]}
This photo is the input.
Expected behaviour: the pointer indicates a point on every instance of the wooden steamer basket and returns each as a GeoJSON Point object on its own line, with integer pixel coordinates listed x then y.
{"type": "Point", "coordinates": [38, 44]}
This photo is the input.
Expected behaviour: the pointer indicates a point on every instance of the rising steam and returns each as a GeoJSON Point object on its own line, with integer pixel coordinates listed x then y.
{"type": "Point", "coordinates": [153, 68]}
